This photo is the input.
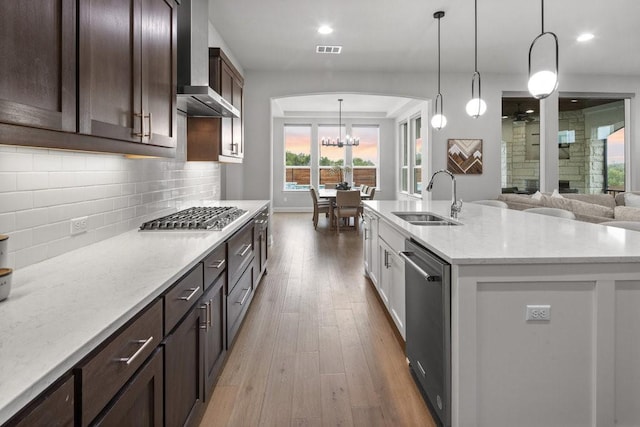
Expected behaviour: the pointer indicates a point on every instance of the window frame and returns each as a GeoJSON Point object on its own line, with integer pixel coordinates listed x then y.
{"type": "Point", "coordinates": [377, 161]}
{"type": "Point", "coordinates": [284, 159]}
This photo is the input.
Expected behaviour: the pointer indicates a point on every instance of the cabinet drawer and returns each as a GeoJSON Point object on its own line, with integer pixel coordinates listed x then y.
{"type": "Point", "coordinates": [240, 297]}
{"type": "Point", "coordinates": [390, 235]}
{"type": "Point", "coordinates": [214, 264]}
{"type": "Point", "coordinates": [181, 298]}
{"type": "Point", "coordinates": [54, 410]}
{"type": "Point", "coordinates": [240, 253]}
{"type": "Point", "coordinates": [107, 371]}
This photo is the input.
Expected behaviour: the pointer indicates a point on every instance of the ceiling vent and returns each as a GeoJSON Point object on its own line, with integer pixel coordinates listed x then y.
{"type": "Point", "coordinates": [329, 49]}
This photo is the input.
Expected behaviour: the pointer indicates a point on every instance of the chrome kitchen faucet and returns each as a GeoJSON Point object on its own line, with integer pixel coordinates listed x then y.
{"type": "Point", "coordinates": [456, 205]}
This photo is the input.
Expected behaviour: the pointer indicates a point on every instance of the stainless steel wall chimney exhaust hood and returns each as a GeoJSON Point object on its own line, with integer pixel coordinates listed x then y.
{"type": "Point", "coordinates": [195, 97]}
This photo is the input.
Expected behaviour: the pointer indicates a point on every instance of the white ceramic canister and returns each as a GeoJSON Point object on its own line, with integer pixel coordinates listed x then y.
{"type": "Point", "coordinates": [5, 282]}
{"type": "Point", "coordinates": [4, 250]}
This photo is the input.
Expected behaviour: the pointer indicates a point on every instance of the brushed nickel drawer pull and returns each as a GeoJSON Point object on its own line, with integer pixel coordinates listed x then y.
{"type": "Point", "coordinates": [150, 134]}
{"type": "Point", "coordinates": [246, 294]}
{"type": "Point", "coordinates": [210, 313]}
{"type": "Point", "coordinates": [219, 264]}
{"type": "Point", "coordinates": [245, 250]}
{"type": "Point", "coordinates": [141, 115]}
{"type": "Point", "coordinates": [193, 292]}
{"type": "Point", "coordinates": [205, 307]}
{"type": "Point", "coordinates": [422, 371]}
{"type": "Point", "coordinates": [145, 344]}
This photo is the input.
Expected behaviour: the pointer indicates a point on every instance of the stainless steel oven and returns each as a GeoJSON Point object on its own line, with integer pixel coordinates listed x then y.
{"type": "Point", "coordinates": [428, 317]}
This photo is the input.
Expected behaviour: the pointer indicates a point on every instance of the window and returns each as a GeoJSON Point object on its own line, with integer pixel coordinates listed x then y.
{"type": "Point", "coordinates": [330, 157]}
{"type": "Point", "coordinates": [614, 152]}
{"type": "Point", "coordinates": [404, 156]}
{"type": "Point", "coordinates": [416, 142]}
{"type": "Point", "coordinates": [297, 148]}
{"type": "Point", "coordinates": [365, 156]}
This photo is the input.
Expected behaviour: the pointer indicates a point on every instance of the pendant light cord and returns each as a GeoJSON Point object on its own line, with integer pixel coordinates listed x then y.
{"type": "Point", "coordinates": [542, 20]}
{"type": "Point", "coordinates": [438, 56]}
{"type": "Point", "coordinates": [476, 35]}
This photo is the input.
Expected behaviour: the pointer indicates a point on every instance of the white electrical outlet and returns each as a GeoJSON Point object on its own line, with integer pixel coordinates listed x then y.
{"type": "Point", "coordinates": [538, 312]}
{"type": "Point", "coordinates": [79, 225]}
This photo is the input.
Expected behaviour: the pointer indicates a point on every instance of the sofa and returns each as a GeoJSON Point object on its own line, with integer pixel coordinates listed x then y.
{"type": "Point", "coordinates": [594, 208]}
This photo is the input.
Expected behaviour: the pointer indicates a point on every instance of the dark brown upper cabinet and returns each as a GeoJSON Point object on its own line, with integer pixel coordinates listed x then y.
{"type": "Point", "coordinates": [38, 66]}
{"type": "Point", "coordinates": [219, 139]}
{"type": "Point", "coordinates": [127, 70]}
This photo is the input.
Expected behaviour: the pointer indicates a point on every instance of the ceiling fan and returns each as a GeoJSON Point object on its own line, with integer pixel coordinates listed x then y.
{"type": "Point", "coordinates": [521, 115]}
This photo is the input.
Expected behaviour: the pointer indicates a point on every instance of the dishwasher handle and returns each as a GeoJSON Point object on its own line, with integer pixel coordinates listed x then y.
{"type": "Point", "coordinates": [424, 274]}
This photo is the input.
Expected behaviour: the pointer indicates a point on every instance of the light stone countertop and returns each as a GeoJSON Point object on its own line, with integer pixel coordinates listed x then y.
{"type": "Point", "coordinates": [62, 308]}
{"type": "Point", "coordinates": [490, 235]}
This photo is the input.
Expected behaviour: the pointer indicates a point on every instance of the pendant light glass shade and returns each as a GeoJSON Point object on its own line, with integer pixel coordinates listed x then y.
{"type": "Point", "coordinates": [476, 106]}
{"type": "Point", "coordinates": [438, 121]}
{"type": "Point", "coordinates": [543, 83]}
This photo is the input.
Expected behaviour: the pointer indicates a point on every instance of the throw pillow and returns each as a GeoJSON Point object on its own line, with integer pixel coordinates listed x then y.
{"type": "Point", "coordinates": [627, 213]}
{"type": "Point", "coordinates": [537, 196]}
{"type": "Point", "coordinates": [632, 200]}
{"type": "Point", "coordinates": [590, 209]}
{"type": "Point", "coordinates": [556, 194]}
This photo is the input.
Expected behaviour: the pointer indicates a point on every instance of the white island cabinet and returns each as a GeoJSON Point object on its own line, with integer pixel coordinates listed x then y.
{"type": "Point", "coordinates": [578, 368]}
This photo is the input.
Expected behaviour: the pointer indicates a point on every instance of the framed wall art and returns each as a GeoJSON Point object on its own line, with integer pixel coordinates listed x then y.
{"type": "Point", "coordinates": [464, 156]}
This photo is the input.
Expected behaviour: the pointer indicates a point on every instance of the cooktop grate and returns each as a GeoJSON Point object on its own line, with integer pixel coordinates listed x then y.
{"type": "Point", "coordinates": [196, 218]}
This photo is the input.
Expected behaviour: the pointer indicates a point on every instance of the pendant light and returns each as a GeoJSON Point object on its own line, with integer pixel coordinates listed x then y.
{"type": "Point", "coordinates": [339, 142]}
{"type": "Point", "coordinates": [544, 82]}
{"type": "Point", "coordinates": [476, 106]}
{"type": "Point", "coordinates": [438, 121]}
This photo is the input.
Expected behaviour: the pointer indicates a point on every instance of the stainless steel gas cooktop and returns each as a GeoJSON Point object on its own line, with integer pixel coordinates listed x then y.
{"type": "Point", "coordinates": [196, 218]}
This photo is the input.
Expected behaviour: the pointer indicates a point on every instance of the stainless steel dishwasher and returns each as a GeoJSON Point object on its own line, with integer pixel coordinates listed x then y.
{"type": "Point", "coordinates": [428, 317]}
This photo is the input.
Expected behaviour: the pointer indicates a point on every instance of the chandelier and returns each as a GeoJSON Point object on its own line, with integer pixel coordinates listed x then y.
{"type": "Point", "coordinates": [339, 142]}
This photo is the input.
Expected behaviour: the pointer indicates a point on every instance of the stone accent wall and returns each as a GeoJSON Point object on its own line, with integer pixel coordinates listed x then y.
{"type": "Point", "coordinates": [573, 168]}
{"type": "Point", "coordinates": [520, 171]}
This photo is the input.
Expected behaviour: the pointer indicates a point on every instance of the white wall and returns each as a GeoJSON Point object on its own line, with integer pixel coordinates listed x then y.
{"type": "Point", "coordinates": [301, 200]}
{"type": "Point", "coordinates": [262, 86]}
{"type": "Point", "coordinates": [41, 190]}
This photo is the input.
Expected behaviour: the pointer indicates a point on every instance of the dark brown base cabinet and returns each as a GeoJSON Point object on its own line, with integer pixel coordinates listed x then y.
{"type": "Point", "coordinates": [215, 333]}
{"type": "Point", "coordinates": [139, 403]}
{"type": "Point", "coordinates": [183, 380]}
{"type": "Point", "coordinates": [161, 366]}
{"type": "Point", "coordinates": [54, 409]}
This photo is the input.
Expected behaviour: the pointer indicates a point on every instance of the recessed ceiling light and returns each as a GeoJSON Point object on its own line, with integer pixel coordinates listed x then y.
{"type": "Point", "coordinates": [574, 100]}
{"type": "Point", "coordinates": [529, 111]}
{"type": "Point", "coordinates": [585, 37]}
{"type": "Point", "coordinates": [325, 29]}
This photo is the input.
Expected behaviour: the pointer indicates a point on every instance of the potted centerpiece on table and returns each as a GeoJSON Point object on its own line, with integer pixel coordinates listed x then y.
{"type": "Point", "coordinates": [343, 174]}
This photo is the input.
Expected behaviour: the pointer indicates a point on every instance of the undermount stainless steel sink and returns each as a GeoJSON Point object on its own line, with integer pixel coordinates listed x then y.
{"type": "Point", "coordinates": [424, 218]}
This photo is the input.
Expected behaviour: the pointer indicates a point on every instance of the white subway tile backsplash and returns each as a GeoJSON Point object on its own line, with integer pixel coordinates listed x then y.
{"type": "Point", "coordinates": [51, 162]}
{"type": "Point", "coordinates": [7, 222]}
{"type": "Point", "coordinates": [46, 233]}
{"type": "Point", "coordinates": [16, 201]}
{"type": "Point", "coordinates": [32, 181]}
{"type": "Point", "coordinates": [32, 218]}
{"type": "Point", "coordinates": [42, 190]}
{"type": "Point", "coordinates": [7, 182]}
{"type": "Point", "coordinates": [16, 162]}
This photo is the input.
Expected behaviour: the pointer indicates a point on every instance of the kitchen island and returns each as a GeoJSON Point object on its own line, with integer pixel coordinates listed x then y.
{"type": "Point", "coordinates": [62, 309]}
{"type": "Point", "coordinates": [579, 368]}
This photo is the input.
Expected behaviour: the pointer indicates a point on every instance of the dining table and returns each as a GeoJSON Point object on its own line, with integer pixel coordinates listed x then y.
{"type": "Point", "coordinates": [330, 194]}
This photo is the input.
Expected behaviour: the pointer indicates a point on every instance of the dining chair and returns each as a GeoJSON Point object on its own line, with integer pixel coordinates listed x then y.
{"type": "Point", "coordinates": [371, 191]}
{"type": "Point", "coordinates": [364, 188]}
{"type": "Point", "coordinates": [319, 206]}
{"type": "Point", "coordinates": [560, 213]}
{"type": "Point", "coordinates": [347, 206]}
{"type": "Point", "coordinates": [331, 185]}
{"type": "Point", "coordinates": [495, 203]}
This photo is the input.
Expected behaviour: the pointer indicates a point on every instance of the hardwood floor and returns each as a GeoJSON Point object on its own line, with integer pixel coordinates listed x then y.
{"type": "Point", "coordinates": [316, 348]}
